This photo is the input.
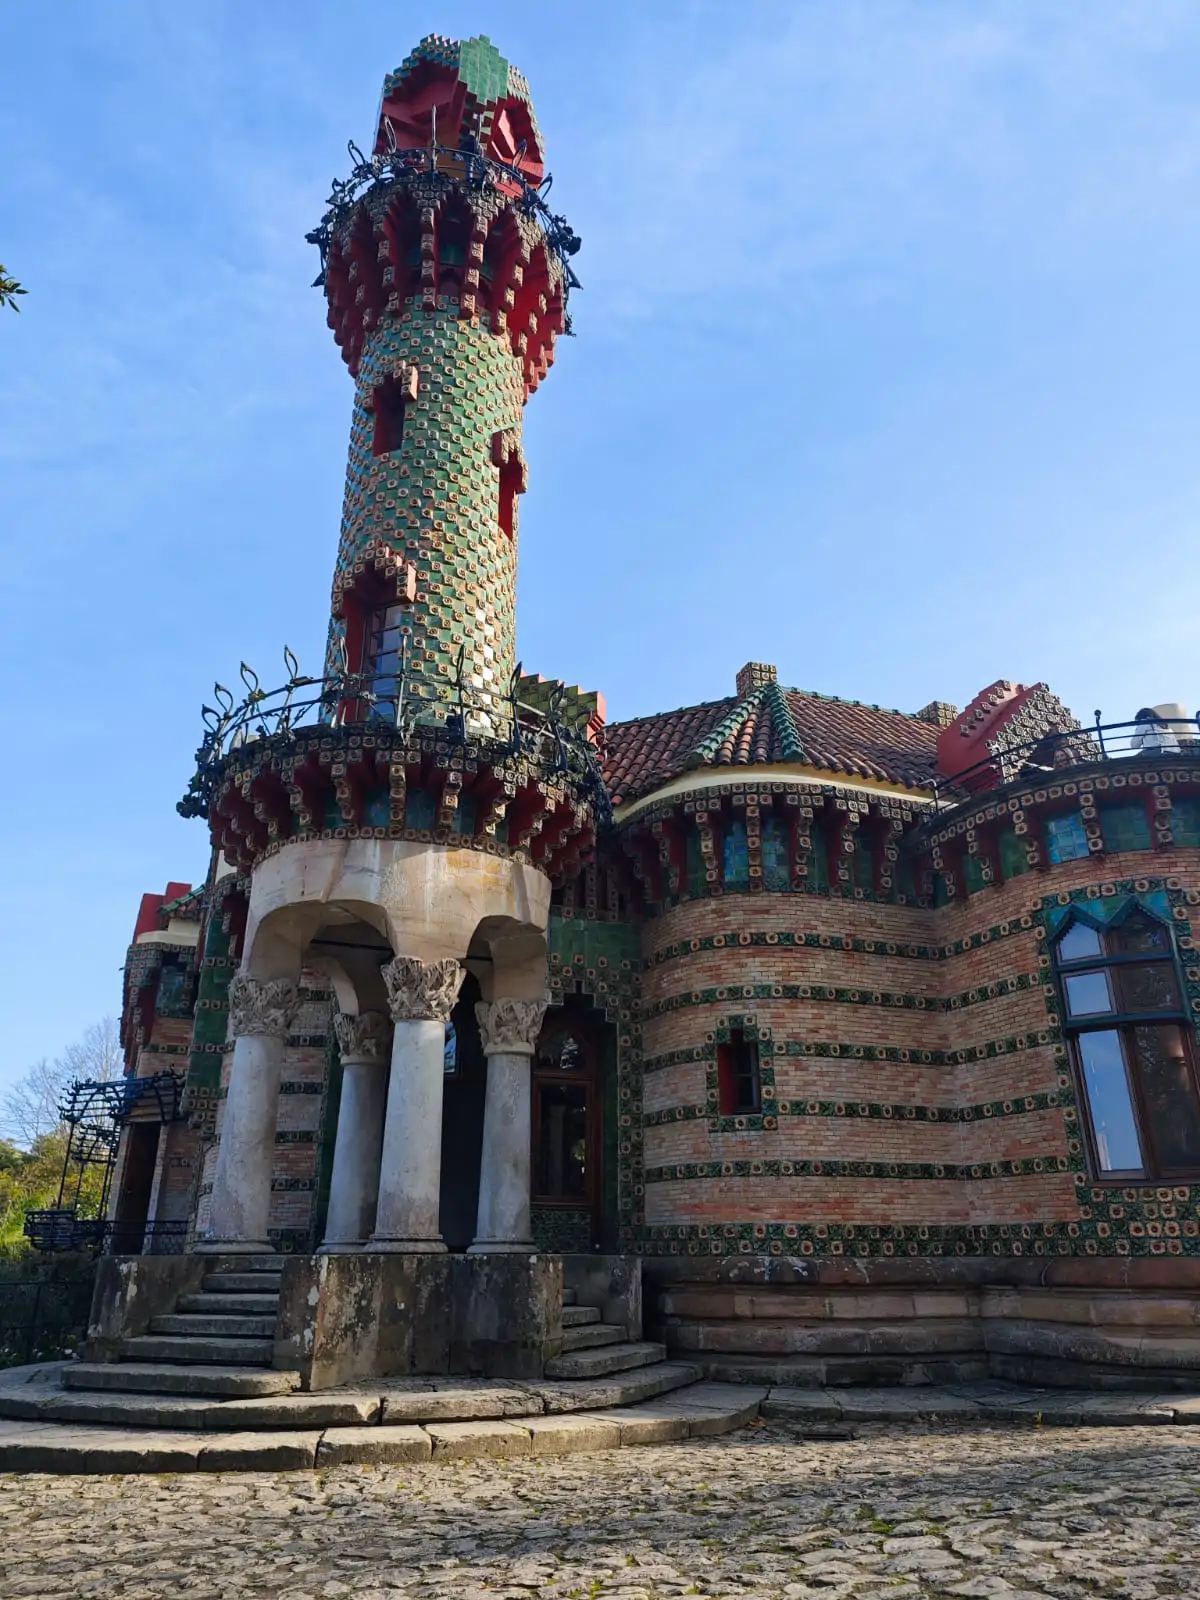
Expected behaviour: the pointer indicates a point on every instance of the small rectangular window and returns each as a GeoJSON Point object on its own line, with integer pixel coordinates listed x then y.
{"type": "Point", "coordinates": [1125, 828]}
{"type": "Point", "coordinates": [973, 874]}
{"type": "Point", "coordinates": [736, 856]}
{"type": "Point", "coordinates": [1089, 994]}
{"type": "Point", "coordinates": [1066, 839]}
{"type": "Point", "coordinates": [738, 1082]}
{"type": "Point", "coordinates": [1185, 822]}
{"type": "Point", "coordinates": [389, 420]}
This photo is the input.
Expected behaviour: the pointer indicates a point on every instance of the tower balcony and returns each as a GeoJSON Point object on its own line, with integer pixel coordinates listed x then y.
{"type": "Point", "coordinates": [1104, 793]}
{"type": "Point", "coordinates": [1114, 749]}
{"type": "Point", "coordinates": [406, 757]}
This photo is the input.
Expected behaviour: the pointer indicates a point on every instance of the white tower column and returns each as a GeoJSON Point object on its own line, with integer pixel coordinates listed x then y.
{"type": "Point", "coordinates": [509, 1029]}
{"type": "Point", "coordinates": [261, 1012]}
{"type": "Point", "coordinates": [421, 996]}
{"type": "Point", "coordinates": [364, 1043]}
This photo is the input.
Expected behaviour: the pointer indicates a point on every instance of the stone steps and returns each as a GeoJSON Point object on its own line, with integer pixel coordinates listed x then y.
{"type": "Point", "coordinates": [704, 1410]}
{"type": "Point", "coordinates": [579, 1316]}
{"type": "Point", "coordinates": [229, 1305]}
{"type": "Point", "coordinates": [198, 1326]}
{"type": "Point", "coordinates": [205, 1352]}
{"type": "Point", "coordinates": [600, 1363]}
{"type": "Point", "coordinates": [242, 1282]}
{"type": "Point", "coordinates": [167, 1378]}
{"type": "Point", "coordinates": [591, 1336]}
{"type": "Point", "coordinates": [197, 1399]}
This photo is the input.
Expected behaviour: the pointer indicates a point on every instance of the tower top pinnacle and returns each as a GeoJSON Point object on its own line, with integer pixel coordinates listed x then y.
{"type": "Point", "coordinates": [461, 94]}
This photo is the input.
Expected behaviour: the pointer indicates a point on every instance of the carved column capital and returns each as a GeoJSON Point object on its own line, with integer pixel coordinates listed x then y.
{"type": "Point", "coordinates": [511, 1027]}
{"type": "Point", "coordinates": [422, 991]}
{"type": "Point", "coordinates": [366, 1037]}
{"type": "Point", "coordinates": [263, 1006]}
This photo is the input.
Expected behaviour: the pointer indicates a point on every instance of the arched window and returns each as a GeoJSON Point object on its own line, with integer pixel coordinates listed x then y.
{"type": "Point", "coordinates": [1133, 1046]}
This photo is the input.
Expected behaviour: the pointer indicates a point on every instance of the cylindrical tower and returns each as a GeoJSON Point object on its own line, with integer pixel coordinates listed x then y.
{"type": "Point", "coordinates": [446, 278]}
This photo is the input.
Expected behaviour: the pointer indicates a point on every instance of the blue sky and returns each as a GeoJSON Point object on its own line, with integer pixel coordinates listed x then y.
{"type": "Point", "coordinates": [886, 372]}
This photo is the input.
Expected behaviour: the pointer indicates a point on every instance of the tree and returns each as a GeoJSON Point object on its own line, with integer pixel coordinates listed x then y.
{"type": "Point", "coordinates": [30, 1109]}
{"type": "Point", "coordinates": [9, 290]}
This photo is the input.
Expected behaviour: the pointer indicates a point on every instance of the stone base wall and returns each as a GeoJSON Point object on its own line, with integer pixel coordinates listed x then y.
{"type": "Point", "coordinates": [373, 1315]}
{"type": "Point", "coordinates": [1092, 1323]}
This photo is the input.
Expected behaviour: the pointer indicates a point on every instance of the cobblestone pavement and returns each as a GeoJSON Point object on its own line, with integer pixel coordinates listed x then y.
{"type": "Point", "coordinates": [892, 1514]}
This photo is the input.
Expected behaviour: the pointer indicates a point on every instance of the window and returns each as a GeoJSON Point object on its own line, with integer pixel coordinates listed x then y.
{"type": "Point", "coordinates": [1125, 827]}
{"type": "Point", "coordinates": [1065, 839]}
{"type": "Point", "coordinates": [1133, 1046]}
{"type": "Point", "coordinates": [736, 856]}
{"type": "Point", "coordinates": [420, 809]}
{"type": "Point", "coordinates": [818, 859]}
{"type": "Point", "coordinates": [777, 872]}
{"type": "Point", "coordinates": [973, 873]}
{"type": "Point", "coordinates": [564, 1132]}
{"type": "Point", "coordinates": [738, 1085]}
{"type": "Point", "coordinates": [1014, 854]}
{"type": "Point", "coordinates": [510, 488]}
{"type": "Point", "coordinates": [1185, 822]}
{"type": "Point", "coordinates": [389, 419]}
{"type": "Point", "coordinates": [382, 657]}
{"type": "Point", "coordinates": [697, 879]}
{"type": "Point", "coordinates": [450, 1051]}
{"type": "Point", "coordinates": [862, 862]}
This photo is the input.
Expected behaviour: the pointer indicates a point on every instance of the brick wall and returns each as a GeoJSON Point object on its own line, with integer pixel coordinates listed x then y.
{"type": "Point", "coordinates": [916, 1093]}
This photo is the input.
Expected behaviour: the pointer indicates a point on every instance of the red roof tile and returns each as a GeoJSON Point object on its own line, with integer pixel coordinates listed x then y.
{"type": "Point", "coordinates": [769, 726]}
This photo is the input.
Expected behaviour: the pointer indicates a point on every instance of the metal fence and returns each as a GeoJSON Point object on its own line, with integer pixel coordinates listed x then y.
{"type": "Point", "coordinates": [43, 1311]}
{"type": "Point", "coordinates": [57, 1232]}
{"type": "Point", "coordinates": [1036, 760]}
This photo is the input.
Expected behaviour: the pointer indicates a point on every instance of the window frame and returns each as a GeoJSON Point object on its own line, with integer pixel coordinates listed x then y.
{"type": "Point", "coordinates": [585, 1076]}
{"type": "Point", "coordinates": [1123, 1023]}
{"type": "Point", "coordinates": [729, 1075]}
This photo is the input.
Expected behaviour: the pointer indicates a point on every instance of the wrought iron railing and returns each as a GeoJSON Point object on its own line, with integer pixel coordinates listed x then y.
{"type": "Point", "coordinates": [1037, 760]}
{"type": "Point", "coordinates": [59, 1230]}
{"type": "Point", "coordinates": [500, 724]}
{"type": "Point", "coordinates": [469, 165]}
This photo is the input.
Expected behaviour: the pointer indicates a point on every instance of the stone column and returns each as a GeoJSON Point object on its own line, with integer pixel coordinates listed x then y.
{"type": "Point", "coordinates": [358, 1144]}
{"type": "Point", "coordinates": [261, 1011]}
{"type": "Point", "coordinates": [421, 996]}
{"type": "Point", "coordinates": [510, 1029]}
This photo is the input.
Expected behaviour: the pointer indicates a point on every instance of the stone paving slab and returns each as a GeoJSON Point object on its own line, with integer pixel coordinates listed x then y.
{"type": "Point", "coordinates": [374, 1446]}
{"type": "Point", "coordinates": [703, 1409]}
{"type": "Point", "coordinates": [906, 1511]}
{"type": "Point", "coordinates": [994, 1401]}
{"type": "Point", "coordinates": [468, 1440]}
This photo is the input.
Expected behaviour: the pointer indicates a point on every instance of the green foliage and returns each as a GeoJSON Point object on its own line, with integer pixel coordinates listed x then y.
{"type": "Point", "coordinates": [29, 1181]}
{"type": "Point", "coordinates": [9, 290]}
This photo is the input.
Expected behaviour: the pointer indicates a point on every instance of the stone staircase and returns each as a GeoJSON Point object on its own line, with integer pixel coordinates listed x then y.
{"type": "Point", "coordinates": [592, 1348]}
{"type": "Point", "coordinates": [197, 1391]}
{"type": "Point", "coordinates": [210, 1345]}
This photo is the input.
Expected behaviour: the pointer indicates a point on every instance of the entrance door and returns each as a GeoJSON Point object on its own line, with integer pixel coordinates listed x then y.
{"type": "Point", "coordinates": [567, 1143]}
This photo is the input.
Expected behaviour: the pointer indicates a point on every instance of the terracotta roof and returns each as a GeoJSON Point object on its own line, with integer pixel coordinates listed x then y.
{"type": "Point", "coordinates": [770, 725]}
